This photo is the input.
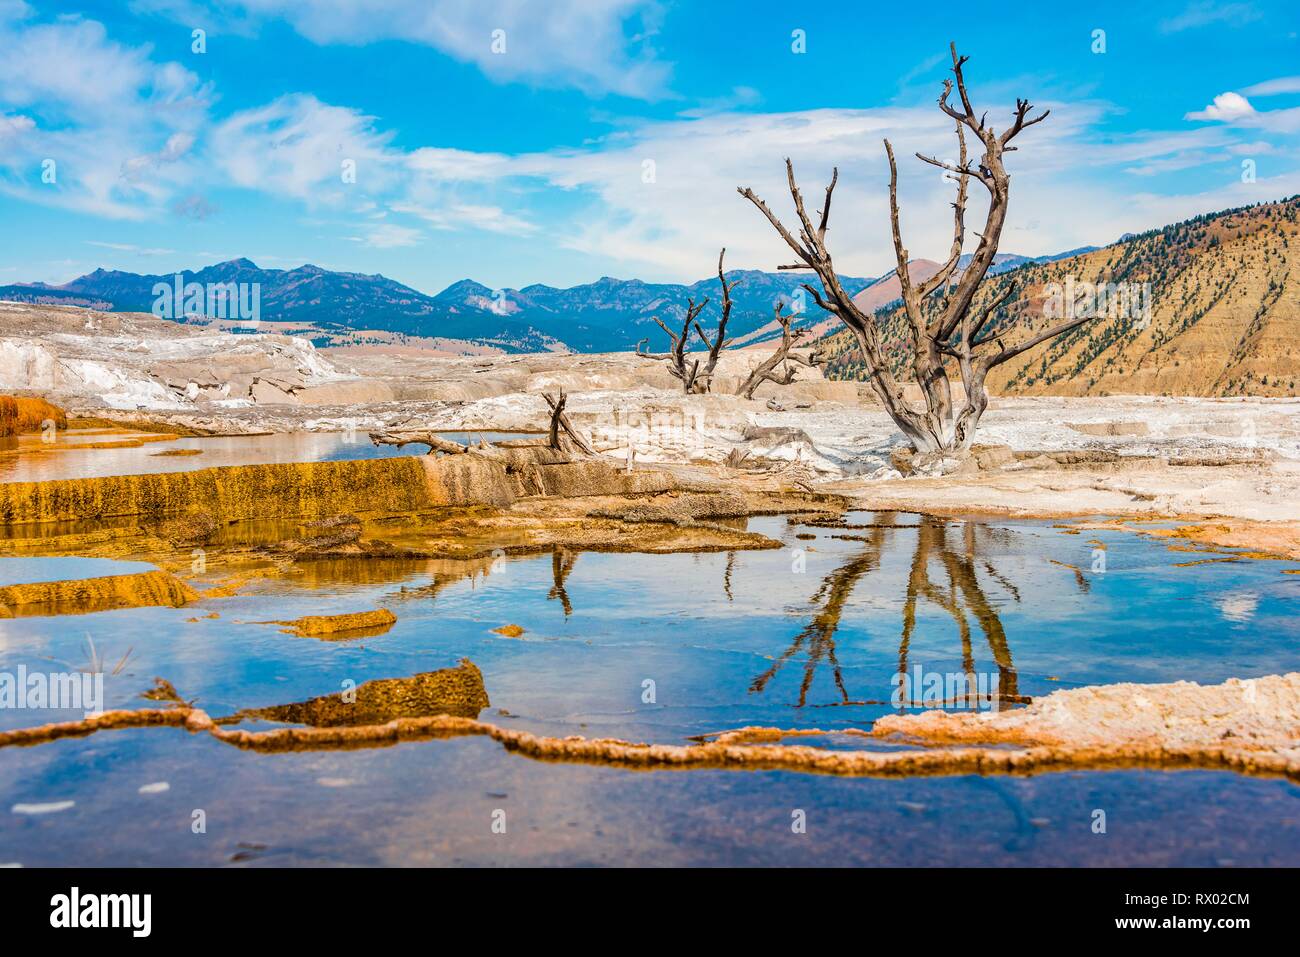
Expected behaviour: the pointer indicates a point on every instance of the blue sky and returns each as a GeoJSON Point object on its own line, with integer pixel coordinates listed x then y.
{"type": "Point", "coordinates": [607, 138]}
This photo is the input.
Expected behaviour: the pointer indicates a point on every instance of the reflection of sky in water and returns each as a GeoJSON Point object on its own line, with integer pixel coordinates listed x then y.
{"type": "Point", "coordinates": [706, 637]}
{"type": "Point", "coordinates": [1238, 606]}
{"type": "Point", "coordinates": [27, 459]}
{"type": "Point", "coordinates": [18, 571]}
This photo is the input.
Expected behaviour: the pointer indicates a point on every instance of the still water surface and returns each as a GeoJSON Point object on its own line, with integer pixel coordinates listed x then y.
{"type": "Point", "coordinates": [90, 453]}
{"type": "Point", "coordinates": [807, 636]}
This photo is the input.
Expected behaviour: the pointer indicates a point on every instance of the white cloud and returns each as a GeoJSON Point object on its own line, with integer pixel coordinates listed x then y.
{"type": "Point", "coordinates": [658, 196]}
{"type": "Point", "coordinates": [1283, 84]}
{"type": "Point", "coordinates": [1208, 12]}
{"type": "Point", "coordinates": [388, 236]}
{"type": "Point", "coordinates": [1233, 108]}
{"type": "Point", "coordinates": [598, 46]}
{"type": "Point", "coordinates": [14, 10]}
{"type": "Point", "coordinates": [301, 147]}
{"type": "Point", "coordinates": [1226, 107]}
{"type": "Point", "coordinates": [458, 165]}
{"type": "Point", "coordinates": [130, 248]}
{"type": "Point", "coordinates": [491, 219]}
{"type": "Point", "coordinates": [70, 67]}
{"type": "Point", "coordinates": [193, 207]}
{"type": "Point", "coordinates": [137, 167]}
{"type": "Point", "coordinates": [1171, 164]}
{"type": "Point", "coordinates": [15, 125]}
{"type": "Point", "coordinates": [112, 124]}
{"type": "Point", "coordinates": [298, 146]}
{"type": "Point", "coordinates": [661, 196]}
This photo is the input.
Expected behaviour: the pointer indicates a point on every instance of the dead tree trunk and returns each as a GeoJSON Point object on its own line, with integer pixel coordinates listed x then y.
{"type": "Point", "coordinates": [705, 378]}
{"type": "Point", "coordinates": [784, 357]}
{"type": "Point", "coordinates": [938, 310]}
{"type": "Point", "coordinates": [560, 424]}
{"type": "Point", "coordinates": [694, 379]}
{"type": "Point", "coordinates": [557, 410]}
{"type": "Point", "coordinates": [435, 442]}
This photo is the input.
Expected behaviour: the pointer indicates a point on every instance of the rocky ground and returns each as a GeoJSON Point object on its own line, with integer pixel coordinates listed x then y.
{"type": "Point", "coordinates": [1233, 460]}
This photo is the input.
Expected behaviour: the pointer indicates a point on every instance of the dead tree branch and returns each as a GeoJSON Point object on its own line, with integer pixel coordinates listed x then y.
{"type": "Point", "coordinates": [787, 360]}
{"type": "Point", "coordinates": [560, 422]}
{"type": "Point", "coordinates": [433, 440]}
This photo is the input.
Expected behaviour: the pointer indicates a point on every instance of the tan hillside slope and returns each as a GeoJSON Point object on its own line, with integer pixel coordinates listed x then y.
{"type": "Point", "coordinates": [882, 293]}
{"type": "Point", "coordinates": [1210, 307]}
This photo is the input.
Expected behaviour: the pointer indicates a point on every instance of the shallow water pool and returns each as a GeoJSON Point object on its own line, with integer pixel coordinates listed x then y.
{"type": "Point", "coordinates": [664, 648]}
{"type": "Point", "coordinates": [89, 453]}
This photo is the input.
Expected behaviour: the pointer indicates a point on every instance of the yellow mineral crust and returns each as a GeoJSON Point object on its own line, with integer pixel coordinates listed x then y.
{"type": "Point", "coordinates": [127, 441]}
{"type": "Point", "coordinates": [347, 625]}
{"type": "Point", "coordinates": [20, 414]}
{"type": "Point", "coordinates": [316, 489]}
{"type": "Point", "coordinates": [301, 549]}
{"type": "Point", "coordinates": [1247, 726]}
{"type": "Point", "coordinates": [449, 691]}
{"type": "Point", "coordinates": [78, 595]}
{"type": "Point", "coordinates": [234, 492]}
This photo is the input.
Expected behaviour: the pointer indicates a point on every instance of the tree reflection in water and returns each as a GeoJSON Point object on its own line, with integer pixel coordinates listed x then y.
{"type": "Point", "coordinates": [942, 572]}
{"type": "Point", "coordinates": [562, 562]}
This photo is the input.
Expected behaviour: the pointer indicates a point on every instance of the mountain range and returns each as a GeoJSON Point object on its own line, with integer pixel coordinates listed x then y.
{"type": "Point", "coordinates": [344, 308]}
{"type": "Point", "coordinates": [335, 308]}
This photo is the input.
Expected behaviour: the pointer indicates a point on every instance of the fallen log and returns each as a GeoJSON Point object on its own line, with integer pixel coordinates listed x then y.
{"type": "Point", "coordinates": [435, 442]}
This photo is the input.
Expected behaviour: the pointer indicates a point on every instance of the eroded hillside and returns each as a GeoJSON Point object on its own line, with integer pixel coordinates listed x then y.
{"type": "Point", "coordinates": [1224, 297]}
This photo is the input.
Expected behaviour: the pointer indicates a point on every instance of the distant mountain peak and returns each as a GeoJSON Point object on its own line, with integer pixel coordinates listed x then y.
{"type": "Point", "coordinates": [228, 266]}
{"type": "Point", "coordinates": [464, 287]}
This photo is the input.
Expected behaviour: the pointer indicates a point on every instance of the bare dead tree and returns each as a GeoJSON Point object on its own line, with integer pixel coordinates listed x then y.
{"type": "Point", "coordinates": [784, 357]}
{"type": "Point", "coordinates": [941, 323]}
{"type": "Point", "coordinates": [561, 435]}
{"type": "Point", "coordinates": [680, 364]}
